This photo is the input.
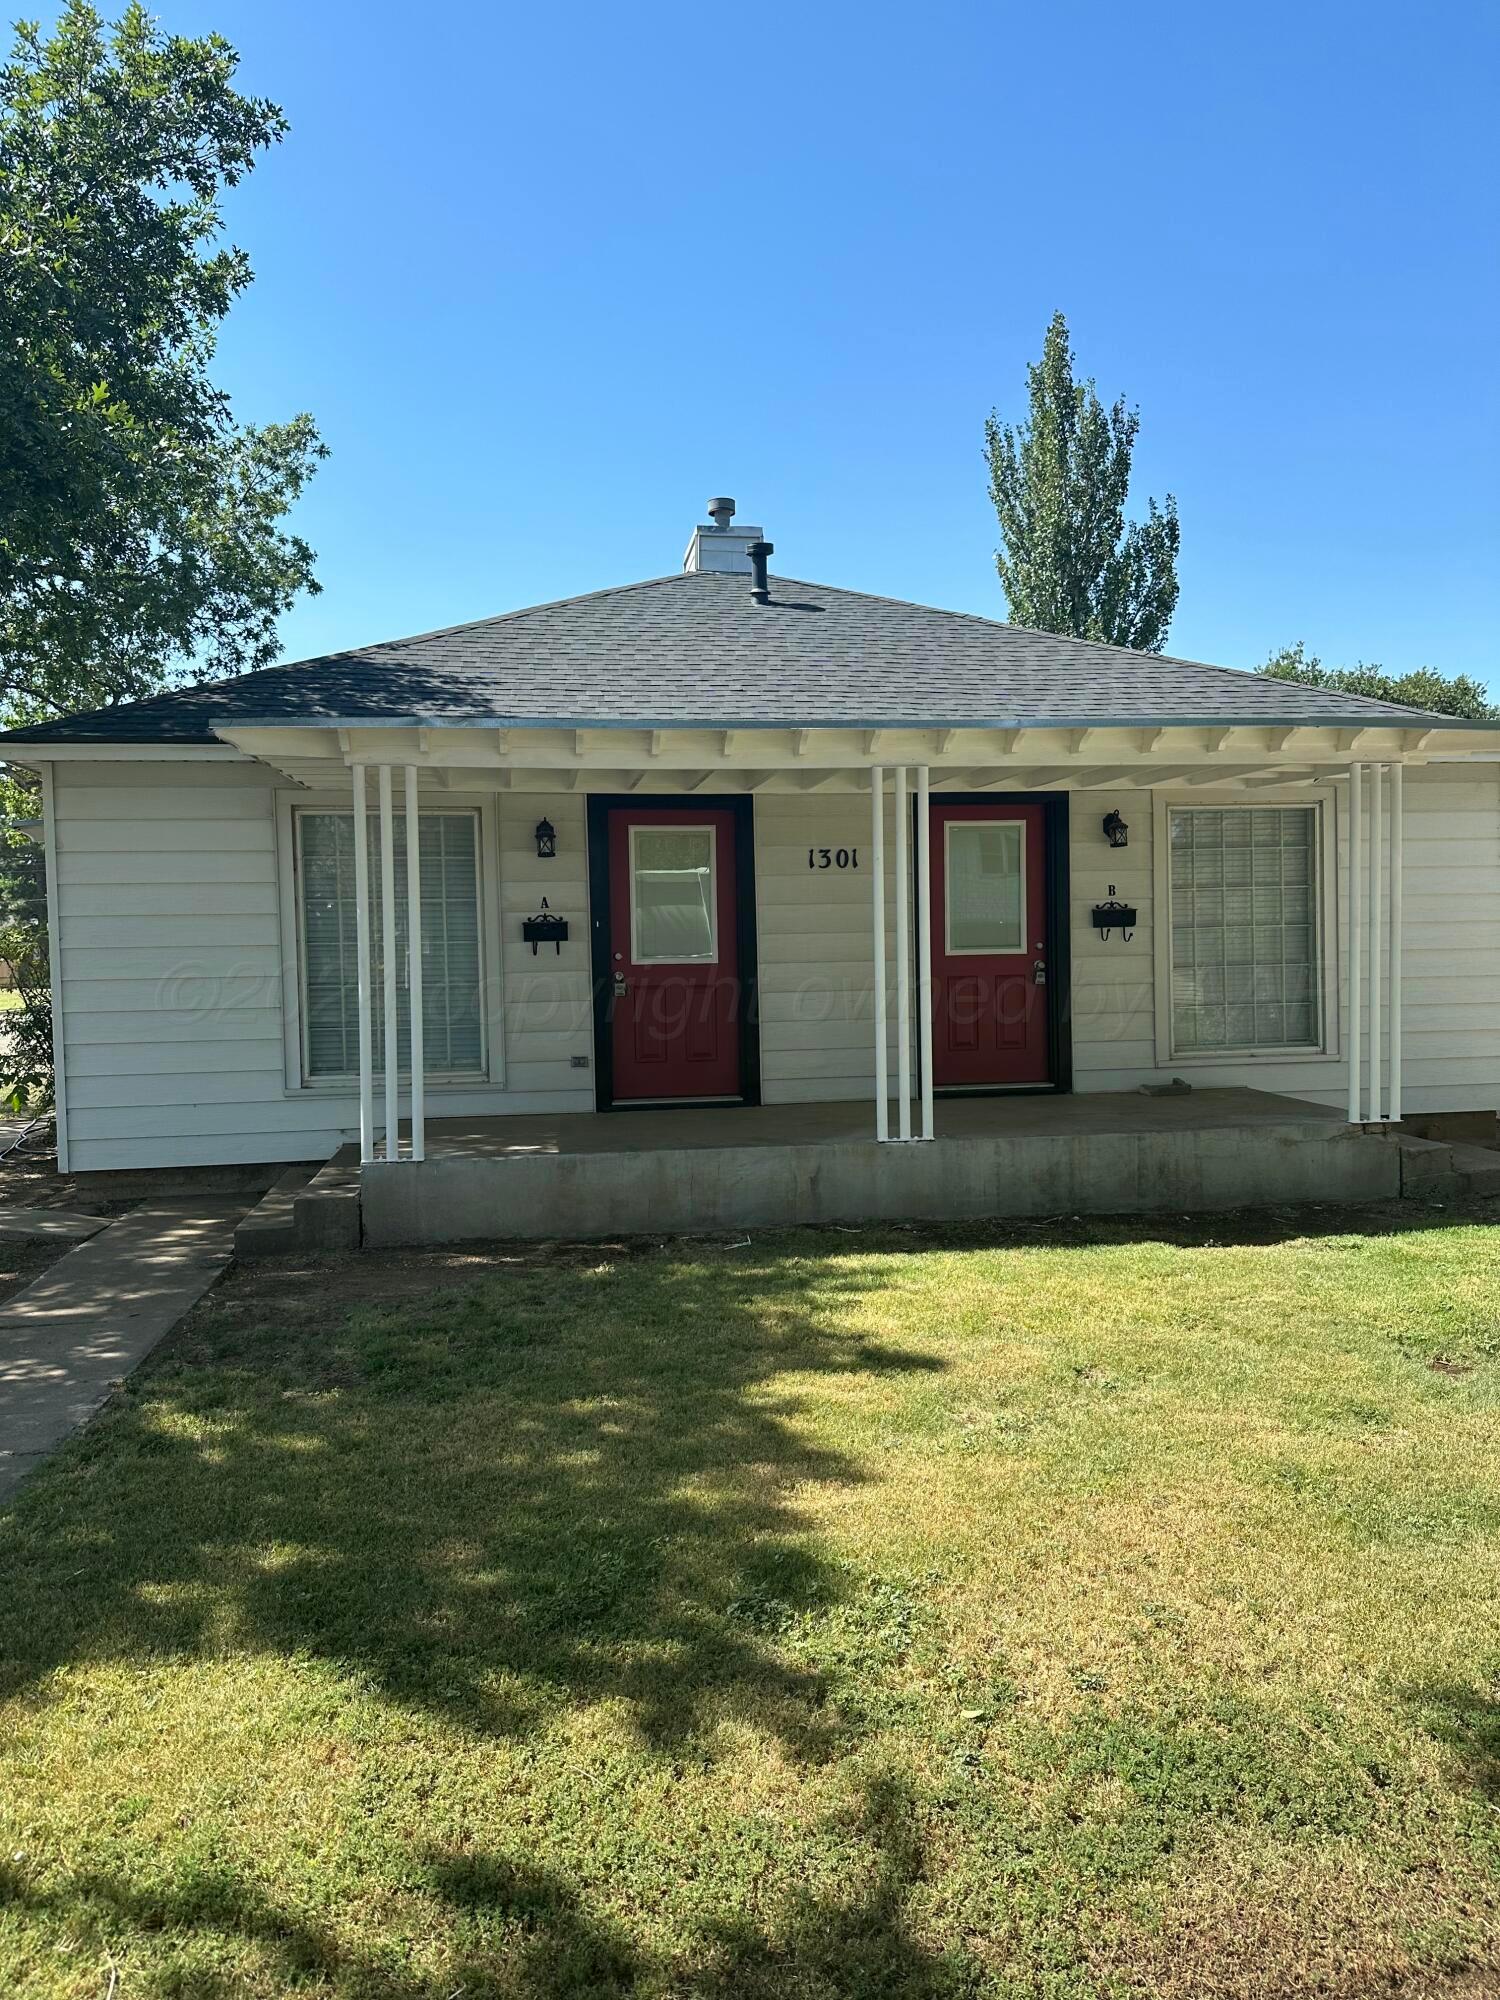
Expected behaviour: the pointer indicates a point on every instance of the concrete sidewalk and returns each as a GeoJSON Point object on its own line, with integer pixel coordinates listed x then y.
{"type": "Point", "coordinates": [70, 1337]}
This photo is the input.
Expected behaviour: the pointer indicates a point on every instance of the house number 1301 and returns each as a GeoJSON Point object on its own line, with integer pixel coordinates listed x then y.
{"type": "Point", "coordinates": [833, 857]}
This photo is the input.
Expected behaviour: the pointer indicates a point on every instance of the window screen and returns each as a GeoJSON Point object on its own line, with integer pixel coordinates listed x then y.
{"type": "Point", "coordinates": [453, 1039]}
{"type": "Point", "coordinates": [1244, 928]}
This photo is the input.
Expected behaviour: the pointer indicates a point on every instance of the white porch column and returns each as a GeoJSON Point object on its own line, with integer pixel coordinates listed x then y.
{"type": "Point", "coordinates": [877, 872]}
{"type": "Point", "coordinates": [362, 960]}
{"type": "Point", "coordinates": [1377, 960]}
{"type": "Point", "coordinates": [388, 951]}
{"type": "Point", "coordinates": [1398, 926]}
{"type": "Point", "coordinates": [903, 959]}
{"type": "Point", "coordinates": [924, 942]}
{"type": "Point", "coordinates": [414, 964]}
{"type": "Point", "coordinates": [1356, 934]}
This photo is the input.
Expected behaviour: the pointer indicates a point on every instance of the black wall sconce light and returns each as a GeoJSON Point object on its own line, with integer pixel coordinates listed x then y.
{"type": "Point", "coordinates": [546, 840]}
{"type": "Point", "coordinates": [1116, 832]}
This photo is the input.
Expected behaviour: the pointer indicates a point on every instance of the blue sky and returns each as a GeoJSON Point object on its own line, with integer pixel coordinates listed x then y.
{"type": "Point", "coordinates": [549, 276]}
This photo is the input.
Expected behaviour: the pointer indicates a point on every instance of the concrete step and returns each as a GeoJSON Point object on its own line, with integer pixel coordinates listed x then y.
{"type": "Point", "coordinates": [1479, 1166]}
{"type": "Point", "coordinates": [327, 1210]}
{"type": "Point", "coordinates": [1437, 1170]}
{"type": "Point", "coordinates": [310, 1207]}
{"type": "Point", "coordinates": [270, 1229]}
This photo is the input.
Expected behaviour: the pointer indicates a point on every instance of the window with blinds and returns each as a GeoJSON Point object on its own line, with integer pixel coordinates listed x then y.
{"type": "Point", "coordinates": [452, 1016]}
{"type": "Point", "coordinates": [1245, 931]}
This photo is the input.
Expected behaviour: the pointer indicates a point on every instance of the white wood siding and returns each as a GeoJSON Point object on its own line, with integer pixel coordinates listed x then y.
{"type": "Point", "coordinates": [172, 971]}
{"type": "Point", "coordinates": [548, 1010]}
{"type": "Point", "coordinates": [169, 941]}
{"type": "Point", "coordinates": [816, 933]}
{"type": "Point", "coordinates": [1451, 1043]}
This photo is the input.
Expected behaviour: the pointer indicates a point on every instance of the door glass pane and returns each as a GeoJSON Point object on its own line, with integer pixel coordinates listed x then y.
{"type": "Point", "coordinates": [672, 894]}
{"type": "Point", "coordinates": [1244, 928]}
{"type": "Point", "coordinates": [985, 885]}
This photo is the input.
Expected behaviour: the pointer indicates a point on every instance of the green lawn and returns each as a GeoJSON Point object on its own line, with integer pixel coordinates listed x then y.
{"type": "Point", "coordinates": [1087, 1610]}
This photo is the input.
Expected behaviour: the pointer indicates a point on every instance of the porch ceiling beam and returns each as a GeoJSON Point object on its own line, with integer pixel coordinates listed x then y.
{"type": "Point", "coordinates": [1217, 774]}
{"type": "Point", "coordinates": [758, 779]}
{"type": "Point", "coordinates": [1106, 774]}
{"type": "Point", "coordinates": [1284, 774]}
{"type": "Point", "coordinates": [635, 779]}
{"type": "Point", "coordinates": [1173, 774]}
{"type": "Point", "coordinates": [986, 778]}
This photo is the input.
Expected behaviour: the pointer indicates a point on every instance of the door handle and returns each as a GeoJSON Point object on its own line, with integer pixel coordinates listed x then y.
{"type": "Point", "coordinates": [620, 986]}
{"type": "Point", "coordinates": [1039, 972]}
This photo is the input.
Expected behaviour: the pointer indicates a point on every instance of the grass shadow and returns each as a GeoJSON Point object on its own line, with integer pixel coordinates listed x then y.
{"type": "Point", "coordinates": [553, 1487]}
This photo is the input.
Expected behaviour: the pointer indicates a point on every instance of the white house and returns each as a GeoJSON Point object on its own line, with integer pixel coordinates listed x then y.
{"type": "Point", "coordinates": [830, 869]}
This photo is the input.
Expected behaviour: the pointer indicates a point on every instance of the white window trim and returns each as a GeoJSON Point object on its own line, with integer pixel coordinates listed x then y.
{"type": "Point", "coordinates": [1024, 927]}
{"type": "Point", "coordinates": [492, 993]}
{"type": "Point", "coordinates": [713, 894]}
{"type": "Point", "coordinates": [1322, 800]}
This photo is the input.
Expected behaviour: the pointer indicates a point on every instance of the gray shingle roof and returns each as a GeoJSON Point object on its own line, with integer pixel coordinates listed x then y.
{"type": "Point", "coordinates": [693, 649]}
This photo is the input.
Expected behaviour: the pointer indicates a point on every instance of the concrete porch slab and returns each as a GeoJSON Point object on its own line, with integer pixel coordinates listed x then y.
{"type": "Point", "coordinates": [644, 1172]}
{"type": "Point", "coordinates": [1039, 1115]}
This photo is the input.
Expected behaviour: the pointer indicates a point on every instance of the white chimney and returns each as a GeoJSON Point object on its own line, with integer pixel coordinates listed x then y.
{"type": "Point", "coordinates": [718, 544]}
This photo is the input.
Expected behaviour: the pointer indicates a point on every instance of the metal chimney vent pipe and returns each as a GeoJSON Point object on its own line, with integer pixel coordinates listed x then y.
{"type": "Point", "coordinates": [721, 512]}
{"type": "Point", "coordinates": [759, 553]}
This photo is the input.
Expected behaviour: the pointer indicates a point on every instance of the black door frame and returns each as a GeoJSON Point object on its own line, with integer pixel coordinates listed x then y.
{"type": "Point", "coordinates": [742, 807]}
{"type": "Point", "coordinates": [1057, 929]}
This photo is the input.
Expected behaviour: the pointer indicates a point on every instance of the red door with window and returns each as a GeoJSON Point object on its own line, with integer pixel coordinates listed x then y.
{"type": "Point", "coordinates": [673, 955]}
{"type": "Point", "coordinates": [989, 955]}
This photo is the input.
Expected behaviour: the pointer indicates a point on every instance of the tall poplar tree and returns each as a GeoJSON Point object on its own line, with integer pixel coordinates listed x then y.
{"type": "Point", "coordinates": [1068, 560]}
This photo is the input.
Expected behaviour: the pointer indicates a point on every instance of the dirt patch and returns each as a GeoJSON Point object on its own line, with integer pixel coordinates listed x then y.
{"type": "Point", "coordinates": [1444, 1366]}
{"type": "Point", "coordinates": [21, 1261]}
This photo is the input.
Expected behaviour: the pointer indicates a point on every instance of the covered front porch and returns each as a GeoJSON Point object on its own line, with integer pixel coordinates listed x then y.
{"type": "Point", "coordinates": [768, 1166]}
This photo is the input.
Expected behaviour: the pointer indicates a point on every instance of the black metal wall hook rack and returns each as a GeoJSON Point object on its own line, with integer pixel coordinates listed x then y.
{"type": "Point", "coordinates": [1112, 916]}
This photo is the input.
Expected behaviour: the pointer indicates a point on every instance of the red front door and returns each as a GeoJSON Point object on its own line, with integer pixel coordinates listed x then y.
{"type": "Point", "coordinates": [673, 958]}
{"type": "Point", "coordinates": [989, 957]}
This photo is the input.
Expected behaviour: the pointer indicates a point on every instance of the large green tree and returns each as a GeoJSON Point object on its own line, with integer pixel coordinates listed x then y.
{"type": "Point", "coordinates": [141, 525]}
{"type": "Point", "coordinates": [1068, 560]}
{"type": "Point", "coordinates": [1443, 694]}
